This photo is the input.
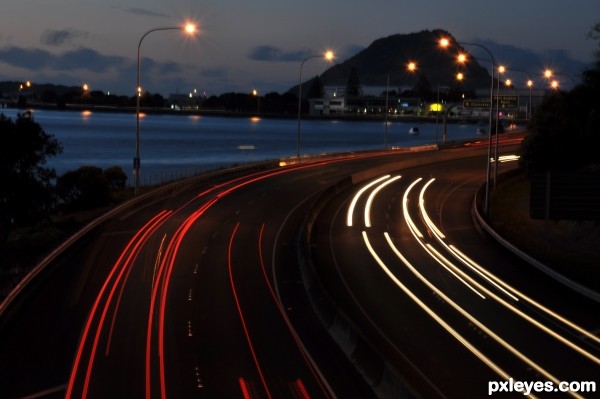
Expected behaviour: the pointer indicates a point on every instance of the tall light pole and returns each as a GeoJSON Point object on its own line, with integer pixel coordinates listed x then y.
{"type": "Point", "coordinates": [529, 85]}
{"type": "Point", "coordinates": [445, 42]}
{"type": "Point", "coordinates": [255, 94]}
{"type": "Point", "coordinates": [411, 67]}
{"type": "Point", "coordinates": [328, 57]}
{"type": "Point", "coordinates": [189, 28]}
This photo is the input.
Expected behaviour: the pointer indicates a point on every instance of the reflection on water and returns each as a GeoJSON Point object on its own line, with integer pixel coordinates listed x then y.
{"type": "Point", "coordinates": [170, 143]}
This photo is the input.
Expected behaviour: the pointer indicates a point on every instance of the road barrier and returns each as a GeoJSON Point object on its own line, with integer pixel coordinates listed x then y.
{"type": "Point", "coordinates": [136, 202]}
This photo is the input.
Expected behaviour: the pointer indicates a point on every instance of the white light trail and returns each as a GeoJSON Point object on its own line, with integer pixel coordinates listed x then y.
{"type": "Point", "coordinates": [439, 258]}
{"type": "Point", "coordinates": [357, 196]}
{"type": "Point", "coordinates": [434, 315]}
{"type": "Point", "coordinates": [501, 285]}
{"type": "Point", "coordinates": [469, 316]}
{"type": "Point", "coordinates": [372, 197]}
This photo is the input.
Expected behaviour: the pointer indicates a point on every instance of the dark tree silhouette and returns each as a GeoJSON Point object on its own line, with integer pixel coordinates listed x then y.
{"type": "Point", "coordinates": [316, 89]}
{"type": "Point", "coordinates": [26, 192]}
{"type": "Point", "coordinates": [565, 130]}
{"type": "Point", "coordinates": [84, 188]}
{"type": "Point", "coordinates": [353, 88]}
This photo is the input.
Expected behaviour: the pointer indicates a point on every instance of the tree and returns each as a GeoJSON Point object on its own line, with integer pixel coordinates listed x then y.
{"type": "Point", "coordinates": [26, 192]}
{"type": "Point", "coordinates": [353, 88]}
{"type": "Point", "coordinates": [115, 177]}
{"type": "Point", "coordinates": [84, 188]}
{"type": "Point", "coordinates": [423, 88]}
{"type": "Point", "coordinates": [316, 89]}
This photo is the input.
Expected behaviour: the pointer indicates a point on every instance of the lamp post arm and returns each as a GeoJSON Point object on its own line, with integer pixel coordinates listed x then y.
{"type": "Point", "coordinates": [136, 160]}
{"type": "Point", "coordinates": [300, 102]}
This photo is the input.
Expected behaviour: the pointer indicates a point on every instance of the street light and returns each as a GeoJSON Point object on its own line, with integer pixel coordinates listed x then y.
{"type": "Point", "coordinates": [548, 74]}
{"type": "Point", "coordinates": [445, 42]}
{"type": "Point", "coordinates": [190, 29]}
{"type": "Point", "coordinates": [328, 56]}
{"type": "Point", "coordinates": [411, 67]}
{"type": "Point", "coordinates": [255, 94]}
{"type": "Point", "coordinates": [529, 85]}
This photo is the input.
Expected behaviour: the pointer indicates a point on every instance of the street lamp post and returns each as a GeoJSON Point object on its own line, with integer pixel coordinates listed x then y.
{"type": "Point", "coordinates": [328, 56]}
{"type": "Point", "coordinates": [529, 85]}
{"type": "Point", "coordinates": [255, 94]}
{"type": "Point", "coordinates": [410, 67]}
{"type": "Point", "coordinates": [444, 42]}
{"type": "Point", "coordinates": [189, 28]}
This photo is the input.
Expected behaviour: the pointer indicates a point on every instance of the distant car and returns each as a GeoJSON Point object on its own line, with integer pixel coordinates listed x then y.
{"type": "Point", "coordinates": [413, 130]}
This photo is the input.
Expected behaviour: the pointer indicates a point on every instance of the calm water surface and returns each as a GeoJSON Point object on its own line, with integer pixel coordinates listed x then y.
{"type": "Point", "coordinates": [182, 144]}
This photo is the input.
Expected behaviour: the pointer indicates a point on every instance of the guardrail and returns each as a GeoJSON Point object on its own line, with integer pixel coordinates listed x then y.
{"type": "Point", "coordinates": [153, 195]}
{"type": "Point", "coordinates": [481, 220]}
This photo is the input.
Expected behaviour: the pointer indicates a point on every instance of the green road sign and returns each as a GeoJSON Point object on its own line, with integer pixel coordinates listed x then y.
{"type": "Point", "coordinates": [476, 104]}
{"type": "Point", "coordinates": [503, 102]}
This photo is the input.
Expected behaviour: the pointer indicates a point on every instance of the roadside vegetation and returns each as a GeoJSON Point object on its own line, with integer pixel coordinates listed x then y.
{"type": "Point", "coordinates": [38, 209]}
{"type": "Point", "coordinates": [564, 137]}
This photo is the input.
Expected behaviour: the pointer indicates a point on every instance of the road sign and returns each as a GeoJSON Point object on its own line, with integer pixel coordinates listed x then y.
{"type": "Point", "coordinates": [503, 102]}
{"type": "Point", "coordinates": [507, 101]}
{"type": "Point", "coordinates": [476, 104]}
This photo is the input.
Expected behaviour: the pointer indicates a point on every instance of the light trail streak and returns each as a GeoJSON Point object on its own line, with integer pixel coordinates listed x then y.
{"type": "Point", "coordinates": [440, 236]}
{"type": "Point", "coordinates": [286, 320]}
{"type": "Point", "coordinates": [372, 197]}
{"type": "Point", "coordinates": [497, 369]}
{"type": "Point", "coordinates": [357, 196]}
{"type": "Point", "coordinates": [129, 253]}
{"type": "Point", "coordinates": [162, 281]}
{"type": "Point", "coordinates": [470, 317]}
{"type": "Point", "coordinates": [528, 299]}
{"type": "Point", "coordinates": [439, 258]}
{"type": "Point", "coordinates": [510, 291]}
{"type": "Point", "coordinates": [241, 314]}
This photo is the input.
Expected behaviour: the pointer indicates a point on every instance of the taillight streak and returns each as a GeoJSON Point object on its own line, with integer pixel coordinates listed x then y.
{"type": "Point", "coordinates": [241, 314]}
{"type": "Point", "coordinates": [162, 283]}
{"type": "Point", "coordinates": [286, 320]}
{"type": "Point", "coordinates": [130, 251]}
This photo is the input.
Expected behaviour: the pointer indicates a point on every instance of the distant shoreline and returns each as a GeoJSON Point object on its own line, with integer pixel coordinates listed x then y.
{"type": "Point", "coordinates": [231, 114]}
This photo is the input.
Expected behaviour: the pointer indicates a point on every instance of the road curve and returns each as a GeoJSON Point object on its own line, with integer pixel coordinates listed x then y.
{"type": "Point", "coordinates": [200, 293]}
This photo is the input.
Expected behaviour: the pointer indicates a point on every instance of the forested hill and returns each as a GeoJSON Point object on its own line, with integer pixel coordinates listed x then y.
{"type": "Point", "coordinates": [390, 55]}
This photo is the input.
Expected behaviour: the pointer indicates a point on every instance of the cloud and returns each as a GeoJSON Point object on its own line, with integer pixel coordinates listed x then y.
{"type": "Point", "coordinates": [86, 58]}
{"type": "Point", "coordinates": [275, 54]}
{"type": "Point", "coordinates": [60, 37]}
{"type": "Point", "coordinates": [80, 59]}
{"type": "Point", "coordinates": [146, 12]}
{"type": "Point", "coordinates": [34, 59]}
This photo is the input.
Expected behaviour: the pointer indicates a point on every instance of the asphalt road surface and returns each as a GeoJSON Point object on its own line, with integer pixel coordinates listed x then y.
{"type": "Point", "coordinates": [200, 294]}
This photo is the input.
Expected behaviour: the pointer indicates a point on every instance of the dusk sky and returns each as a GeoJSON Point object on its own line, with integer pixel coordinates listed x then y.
{"type": "Point", "coordinates": [246, 45]}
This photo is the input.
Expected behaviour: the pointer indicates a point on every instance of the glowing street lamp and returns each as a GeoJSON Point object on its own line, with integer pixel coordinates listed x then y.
{"type": "Point", "coordinates": [328, 56]}
{"type": "Point", "coordinates": [554, 84]}
{"type": "Point", "coordinates": [445, 43]}
{"type": "Point", "coordinates": [255, 94]}
{"type": "Point", "coordinates": [188, 28]}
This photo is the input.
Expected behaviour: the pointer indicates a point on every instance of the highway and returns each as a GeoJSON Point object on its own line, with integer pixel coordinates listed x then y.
{"type": "Point", "coordinates": [200, 293]}
{"type": "Point", "coordinates": [451, 308]}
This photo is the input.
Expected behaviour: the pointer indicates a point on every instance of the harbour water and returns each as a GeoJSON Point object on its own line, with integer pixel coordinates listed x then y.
{"type": "Point", "coordinates": [178, 145]}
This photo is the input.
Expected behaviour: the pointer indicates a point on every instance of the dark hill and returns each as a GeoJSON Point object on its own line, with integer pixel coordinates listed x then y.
{"type": "Point", "coordinates": [391, 55]}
